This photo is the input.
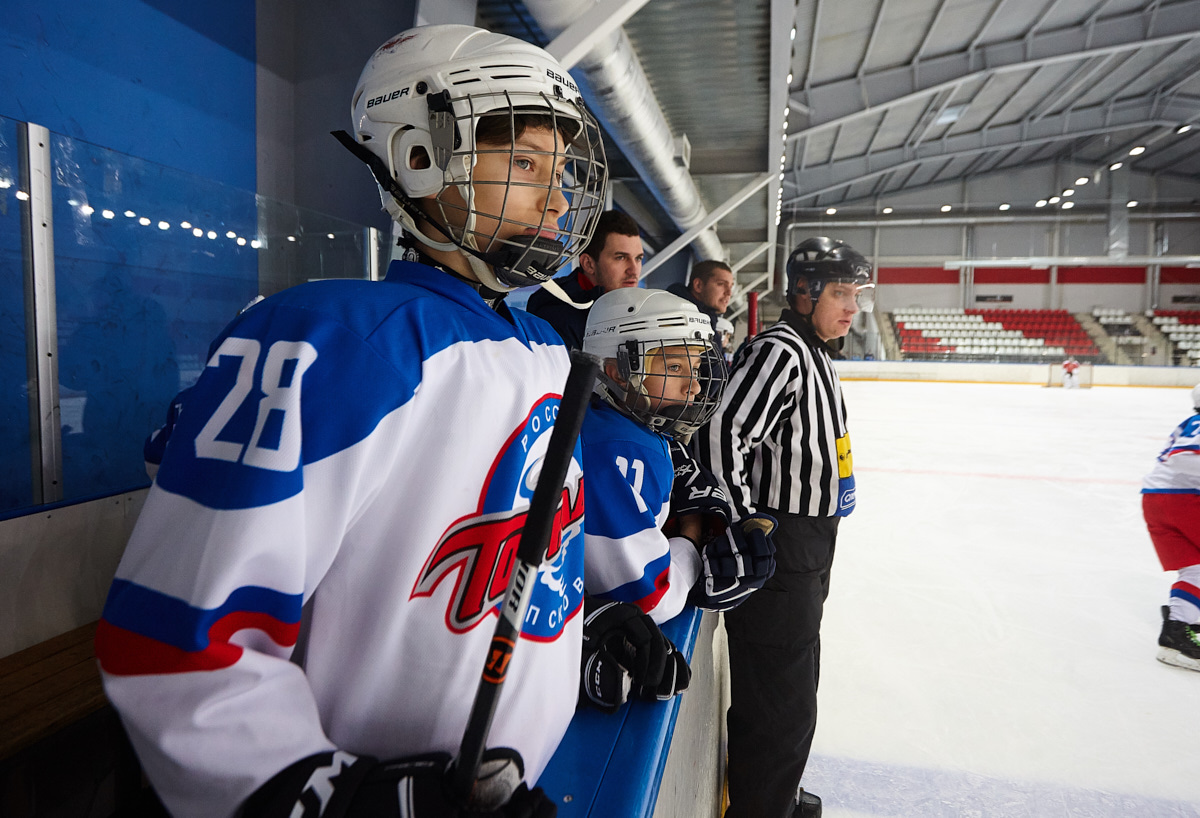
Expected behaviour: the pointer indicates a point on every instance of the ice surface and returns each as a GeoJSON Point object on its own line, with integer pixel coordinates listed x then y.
{"type": "Point", "coordinates": [989, 642]}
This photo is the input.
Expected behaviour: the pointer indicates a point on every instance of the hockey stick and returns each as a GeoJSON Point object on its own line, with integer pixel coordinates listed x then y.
{"type": "Point", "coordinates": [531, 550]}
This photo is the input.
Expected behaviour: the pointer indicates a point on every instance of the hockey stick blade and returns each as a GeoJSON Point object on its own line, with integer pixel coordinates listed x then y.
{"type": "Point", "coordinates": [531, 550]}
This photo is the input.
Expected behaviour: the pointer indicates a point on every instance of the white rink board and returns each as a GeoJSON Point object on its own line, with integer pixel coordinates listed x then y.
{"type": "Point", "coordinates": [989, 641]}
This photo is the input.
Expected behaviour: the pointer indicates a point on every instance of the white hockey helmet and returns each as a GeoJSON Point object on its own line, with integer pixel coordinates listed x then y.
{"type": "Point", "coordinates": [637, 328]}
{"type": "Point", "coordinates": [415, 111]}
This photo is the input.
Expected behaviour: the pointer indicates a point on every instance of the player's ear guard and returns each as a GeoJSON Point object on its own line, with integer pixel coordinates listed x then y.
{"type": "Point", "coordinates": [736, 563]}
{"type": "Point", "coordinates": [625, 654]}
{"type": "Point", "coordinates": [340, 785]}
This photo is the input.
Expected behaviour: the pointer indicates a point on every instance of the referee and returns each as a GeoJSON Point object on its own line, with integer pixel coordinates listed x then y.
{"type": "Point", "coordinates": [779, 445]}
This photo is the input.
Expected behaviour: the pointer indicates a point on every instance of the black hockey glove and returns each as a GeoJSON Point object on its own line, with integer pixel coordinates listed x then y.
{"type": "Point", "coordinates": [623, 651]}
{"type": "Point", "coordinates": [736, 563]}
{"type": "Point", "coordinates": [695, 490]}
{"type": "Point", "coordinates": [675, 679]}
{"type": "Point", "coordinates": [339, 785]}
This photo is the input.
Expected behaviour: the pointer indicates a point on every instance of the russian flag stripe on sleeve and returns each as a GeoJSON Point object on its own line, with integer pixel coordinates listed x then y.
{"type": "Point", "coordinates": [646, 591]}
{"type": "Point", "coordinates": [144, 631]}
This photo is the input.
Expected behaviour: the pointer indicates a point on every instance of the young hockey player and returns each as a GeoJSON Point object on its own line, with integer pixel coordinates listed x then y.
{"type": "Point", "coordinates": [1171, 505]}
{"type": "Point", "coordinates": [660, 382]}
{"type": "Point", "coordinates": [312, 582]}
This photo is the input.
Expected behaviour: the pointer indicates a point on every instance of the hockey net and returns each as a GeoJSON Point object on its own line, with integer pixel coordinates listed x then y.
{"type": "Point", "coordinates": [1083, 375]}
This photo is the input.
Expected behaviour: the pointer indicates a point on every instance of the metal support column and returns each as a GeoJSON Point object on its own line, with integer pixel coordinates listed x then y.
{"type": "Point", "coordinates": [41, 315]}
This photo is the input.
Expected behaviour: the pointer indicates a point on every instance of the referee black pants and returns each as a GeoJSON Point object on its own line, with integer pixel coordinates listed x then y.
{"type": "Point", "coordinates": [774, 666]}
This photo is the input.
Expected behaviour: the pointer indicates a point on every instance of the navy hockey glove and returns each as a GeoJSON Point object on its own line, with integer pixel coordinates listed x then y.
{"type": "Point", "coordinates": [695, 490]}
{"type": "Point", "coordinates": [622, 649]}
{"type": "Point", "coordinates": [340, 785]}
{"type": "Point", "coordinates": [736, 563]}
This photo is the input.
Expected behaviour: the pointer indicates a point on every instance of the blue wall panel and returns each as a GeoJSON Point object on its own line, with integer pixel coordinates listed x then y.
{"type": "Point", "coordinates": [16, 484]}
{"type": "Point", "coordinates": [171, 82]}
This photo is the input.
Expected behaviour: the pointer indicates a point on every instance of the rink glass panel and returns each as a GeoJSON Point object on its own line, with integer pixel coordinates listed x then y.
{"type": "Point", "coordinates": [150, 264]}
{"type": "Point", "coordinates": [16, 459]}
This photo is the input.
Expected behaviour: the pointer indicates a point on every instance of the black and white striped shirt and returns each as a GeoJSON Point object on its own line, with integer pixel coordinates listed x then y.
{"type": "Point", "coordinates": [773, 444]}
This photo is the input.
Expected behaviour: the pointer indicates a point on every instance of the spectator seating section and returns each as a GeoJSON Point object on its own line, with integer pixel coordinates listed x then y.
{"type": "Point", "coordinates": [1009, 335]}
{"type": "Point", "coordinates": [1182, 328]}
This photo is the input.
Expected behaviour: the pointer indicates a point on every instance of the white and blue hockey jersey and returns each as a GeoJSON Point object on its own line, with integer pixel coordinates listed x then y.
{"type": "Point", "coordinates": [628, 497]}
{"type": "Point", "coordinates": [319, 561]}
{"type": "Point", "coordinates": [1177, 470]}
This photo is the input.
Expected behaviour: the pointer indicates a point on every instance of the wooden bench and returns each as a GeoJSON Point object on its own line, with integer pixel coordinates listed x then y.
{"type": "Point", "coordinates": [47, 687]}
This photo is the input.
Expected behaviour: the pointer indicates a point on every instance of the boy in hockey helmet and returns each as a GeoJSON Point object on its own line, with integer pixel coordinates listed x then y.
{"type": "Point", "coordinates": [661, 381]}
{"type": "Point", "coordinates": [1171, 506]}
{"type": "Point", "coordinates": [362, 452]}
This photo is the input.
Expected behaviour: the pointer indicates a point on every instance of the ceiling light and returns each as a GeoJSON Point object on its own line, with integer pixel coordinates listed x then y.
{"type": "Point", "coordinates": [144, 222]}
{"type": "Point", "coordinates": [1067, 205]}
{"type": "Point", "coordinates": [164, 225]}
{"type": "Point", "coordinates": [1132, 203]}
{"type": "Point", "coordinates": [1115, 166]}
{"type": "Point", "coordinates": [87, 210]}
{"type": "Point", "coordinates": [1005, 206]}
{"type": "Point", "coordinates": [108, 214]}
{"type": "Point", "coordinates": [186, 225]}
{"type": "Point", "coordinates": [1081, 181]}
{"type": "Point", "coordinates": [1137, 151]}
{"type": "Point", "coordinates": [829, 211]}
{"type": "Point", "coordinates": [212, 234]}
{"type": "Point", "coordinates": [1040, 203]}
{"type": "Point", "coordinates": [887, 210]}
{"type": "Point", "coordinates": [197, 232]}
{"type": "Point", "coordinates": [291, 238]}
{"type": "Point", "coordinates": [23, 196]}
{"type": "Point", "coordinates": [1054, 199]}
{"type": "Point", "coordinates": [256, 244]}
{"type": "Point", "coordinates": [1183, 129]}
{"type": "Point", "coordinates": [241, 242]}
{"type": "Point", "coordinates": [129, 214]}
{"type": "Point", "coordinates": [945, 208]}
{"type": "Point", "coordinates": [231, 235]}
{"type": "Point", "coordinates": [1069, 191]}
{"type": "Point", "coordinates": [793, 32]}
{"type": "Point", "coordinates": [789, 79]}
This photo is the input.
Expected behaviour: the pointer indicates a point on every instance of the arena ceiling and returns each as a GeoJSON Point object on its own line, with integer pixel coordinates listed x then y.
{"type": "Point", "coordinates": [790, 108]}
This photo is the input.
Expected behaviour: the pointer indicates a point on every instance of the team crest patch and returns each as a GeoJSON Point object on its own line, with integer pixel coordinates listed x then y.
{"type": "Point", "coordinates": [478, 550]}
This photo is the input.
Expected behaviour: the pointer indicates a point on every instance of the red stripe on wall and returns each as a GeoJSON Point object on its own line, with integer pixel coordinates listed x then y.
{"type": "Point", "coordinates": [1101, 275]}
{"type": "Point", "coordinates": [916, 275]}
{"type": "Point", "coordinates": [1179, 275]}
{"type": "Point", "coordinates": [1011, 275]}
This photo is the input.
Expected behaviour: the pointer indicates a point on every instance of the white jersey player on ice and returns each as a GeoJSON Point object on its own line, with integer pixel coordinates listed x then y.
{"type": "Point", "coordinates": [1171, 506]}
{"type": "Point", "coordinates": [301, 617]}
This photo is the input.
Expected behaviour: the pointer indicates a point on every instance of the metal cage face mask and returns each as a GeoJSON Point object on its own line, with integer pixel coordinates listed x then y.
{"type": "Point", "coordinates": [524, 191]}
{"type": "Point", "coordinates": [672, 387]}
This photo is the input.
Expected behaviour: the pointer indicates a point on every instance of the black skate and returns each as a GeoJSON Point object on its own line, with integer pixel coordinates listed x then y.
{"type": "Point", "coordinates": [1179, 643]}
{"type": "Point", "coordinates": [808, 806]}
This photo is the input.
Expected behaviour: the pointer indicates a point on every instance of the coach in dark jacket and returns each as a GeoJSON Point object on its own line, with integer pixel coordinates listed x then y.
{"type": "Point", "coordinates": [611, 260]}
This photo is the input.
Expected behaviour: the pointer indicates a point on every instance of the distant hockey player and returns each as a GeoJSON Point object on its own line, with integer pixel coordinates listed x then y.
{"type": "Point", "coordinates": [300, 619]}
{"type": "Point", "coordinates": [660, 383]}
{"type": "Point", "coordinates": [1171, 505]}
{"type": "Point", "coordinates": [1070, 379]}
{"type": "Point", "coordinates": [779, 444]}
